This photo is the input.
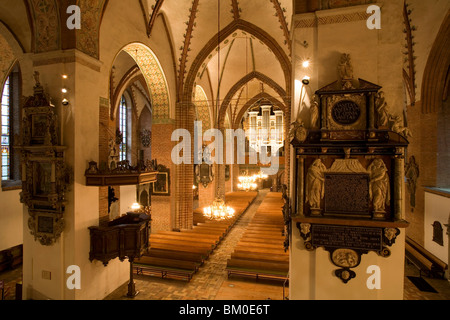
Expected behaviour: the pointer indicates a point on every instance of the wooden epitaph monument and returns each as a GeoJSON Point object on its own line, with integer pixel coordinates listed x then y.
{"type": "Point", "coordinates": [349, 173]}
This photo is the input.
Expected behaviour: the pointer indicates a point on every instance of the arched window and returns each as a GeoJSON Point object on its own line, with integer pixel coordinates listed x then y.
{"type": "Point", "coordinates": [10, 123]}
{"type": "Point", "coordinates": [6, 131]}
{"type": "Point", "coordinates": [123, 127]}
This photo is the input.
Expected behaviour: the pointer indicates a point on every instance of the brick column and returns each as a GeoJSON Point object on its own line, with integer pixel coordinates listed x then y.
{"type": "Point", "coordinates": [184, 173]}
{"type": "Point", "coordinates": [162, 206]}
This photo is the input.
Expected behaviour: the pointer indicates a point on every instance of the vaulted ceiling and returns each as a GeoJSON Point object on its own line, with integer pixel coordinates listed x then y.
{"type": "Point", "coordinates": [250, 54]}
{"type": "Point", "coordinates": [234, 49]}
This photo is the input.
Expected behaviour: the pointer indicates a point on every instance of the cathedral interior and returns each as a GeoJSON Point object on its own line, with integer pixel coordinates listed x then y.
{"type": "Point", "coordinates": [225, 149]}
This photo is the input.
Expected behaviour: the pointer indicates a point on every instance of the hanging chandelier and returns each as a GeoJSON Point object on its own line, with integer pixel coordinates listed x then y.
{"type": "Point", "coordinates": [218, 210]}
{"type": "Point", "coordinates": [260, 176]}
{"type": "Point", "coordinates": [247, 183]}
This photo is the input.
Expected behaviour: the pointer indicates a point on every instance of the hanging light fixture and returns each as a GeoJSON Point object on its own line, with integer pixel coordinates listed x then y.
{"type": "Point", "coordinates": [247, 183]}
{"type": "Point", "coordinates": [261, 176]}
{"type": "Point", "coordinates": [218, 210]}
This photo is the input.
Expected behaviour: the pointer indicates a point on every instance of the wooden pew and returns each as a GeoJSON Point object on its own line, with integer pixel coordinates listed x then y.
{"type": "Point", "coordinates": [165, 246]}
{"type": "Point", "coordinates": [259, 256]}
{"type": "Point", "coordinates": [212, 237]}
{"type": "Point", "coordinates": [424, 260]}
{"type": "Point", "coordinates": [172, 254]}
{"type": "Point", "coordinates": [259, 269]}
{"type": "Point", "coordinates": [184, 238]}
{"type": "Point", "coordinates": [175, 243]}
{"type": "Point", "coordinates": [260, 251]}
{"type": "Point", "coordinates": [166, 268]}
{"type": "Point", "coordinates": [178, 255]}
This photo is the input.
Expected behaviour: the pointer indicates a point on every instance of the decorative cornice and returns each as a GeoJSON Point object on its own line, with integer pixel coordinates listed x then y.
{"type": "Point", "coordinates": [66, 56]}
{"type": "Point", "coordinates": [311, 22]}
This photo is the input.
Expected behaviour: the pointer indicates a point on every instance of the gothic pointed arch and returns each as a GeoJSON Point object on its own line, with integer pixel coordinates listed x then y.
{"type": "Point", "coordinates": [238, 24]}
{"type": "Point", "coordinates": [251, 76]}
{"type": "Point", "coordinates": [263, 95]}
{"type": "Point", "coordinates": [154, 76]}
{"type": "Point", "coordinates": [437, 70]}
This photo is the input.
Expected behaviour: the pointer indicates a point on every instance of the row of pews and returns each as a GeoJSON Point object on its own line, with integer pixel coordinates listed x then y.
{"type": "Point", "coordinates": [180, 254]}
{"type": "Point", "coordinates": [260, 252]}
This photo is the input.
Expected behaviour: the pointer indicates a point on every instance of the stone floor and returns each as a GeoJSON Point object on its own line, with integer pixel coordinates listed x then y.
{"type": "Point", "coordinates": [212, 283]}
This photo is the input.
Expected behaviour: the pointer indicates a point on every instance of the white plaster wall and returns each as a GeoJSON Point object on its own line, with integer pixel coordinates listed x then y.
{"type": "Point", "coordinates": [437, 208]}
{"type": "Point", "coordinates": [11, 220]}
{"type": "Point", "coordinates": [376, 54]}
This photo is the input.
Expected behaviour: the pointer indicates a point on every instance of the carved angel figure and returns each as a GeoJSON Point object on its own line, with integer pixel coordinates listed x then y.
{"type": "Point", "coordinates": [314, 109]}
{"type": "Point", "coordinates": [345, 67]}
{"type": "Point", "coordinates": [412, 174]}
{"type": "Point", "coordinates": [113, 155]}
{"type": "Point", "coordinates": [315, 189]}
{"type": "Point", "coordinates": [382, 110]}
{"type": "Point", "coordinates": [379, 190]}
{"type": "Point", "coordinates": [397, 126]}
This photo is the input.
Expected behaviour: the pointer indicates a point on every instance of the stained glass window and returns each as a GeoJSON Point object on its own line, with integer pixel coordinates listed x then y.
{"type": "Point", "coordinates": [123, 127]}
{"type": "Point", "coordinates": [6, 129]}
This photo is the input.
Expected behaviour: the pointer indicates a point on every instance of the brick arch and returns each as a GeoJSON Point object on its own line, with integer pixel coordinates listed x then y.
{"type": "Point", "coordinates": [250, 28]}
{"type": "Point", "coordinates": [154, 77]}
{"type": "Point", "coordinates": [436, 70]}
{"type": "Point", "coordinates": [251, 76]}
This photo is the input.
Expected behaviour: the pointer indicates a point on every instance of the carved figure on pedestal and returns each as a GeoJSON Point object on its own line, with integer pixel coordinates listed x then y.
{"type": "Point", "coordinates": [412, 174]}
{"type": "Point", "coordinates": [314, 112]}
{"type": "Point", "coordinates": [345, 70]}
{"type": "Point", "coordinates": [382, 110]}
{"type": "Point", "coordinates": [345, 67]}
{"type": "Point", "coordinates": [379, 189]}
{"type": "Point", "coordinates": [398, 127]}
{"type": "Point", "coordinates": [315, 189]}
{"type": "Point", "coordinates": [113, 157]}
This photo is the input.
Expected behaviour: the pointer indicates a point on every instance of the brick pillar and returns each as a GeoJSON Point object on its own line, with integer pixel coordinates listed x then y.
{"type": "Point", "coordinates": [162, 205]}
{"type": "Point", "coordinates": [184, 176]}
